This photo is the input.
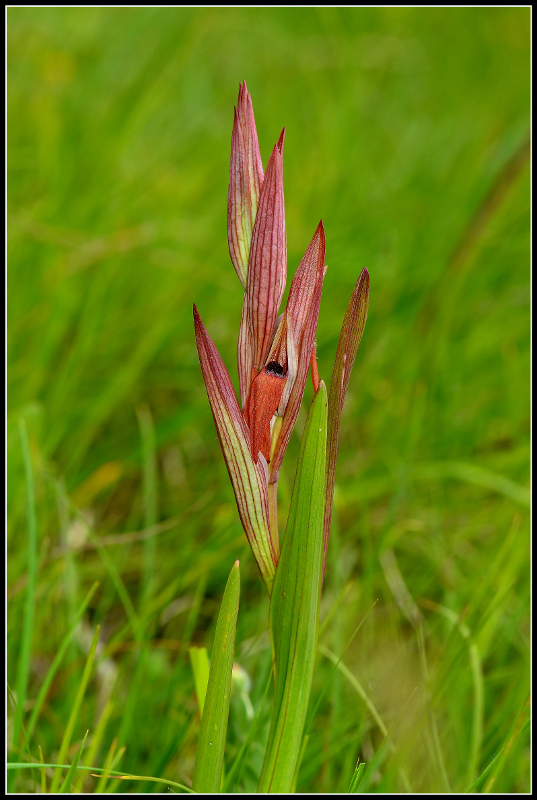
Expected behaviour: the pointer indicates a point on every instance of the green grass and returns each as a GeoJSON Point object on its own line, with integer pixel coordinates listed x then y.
{"type": "Point", "coordinates": [405, 132]}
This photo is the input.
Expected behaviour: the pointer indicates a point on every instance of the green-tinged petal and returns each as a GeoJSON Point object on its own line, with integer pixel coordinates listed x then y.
{"type": "Point", "coordinates": [349, 341]}
{"type": "Point", "coordinates": [212, 737]}
{"type": "Point", "coordinates": [248, 479]}
{"type": "Point", "coordinates": [294, 607]}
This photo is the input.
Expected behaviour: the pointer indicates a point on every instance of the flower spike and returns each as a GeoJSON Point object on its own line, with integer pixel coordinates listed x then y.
{"type": "Point", "coordinates": [275, 353]}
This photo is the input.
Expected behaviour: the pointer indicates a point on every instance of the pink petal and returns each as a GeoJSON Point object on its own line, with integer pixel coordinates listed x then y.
{"type": "Point", "coordinates": [253, 156]}
{"type": "Point", "coordinates": [245, 180]}
{"type": "Point", "coordinates": [267, 267]}
{"type": "Point", "coordinates": [302, 315]}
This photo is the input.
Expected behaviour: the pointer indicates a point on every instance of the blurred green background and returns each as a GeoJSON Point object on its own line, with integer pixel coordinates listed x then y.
{"type": "Point", "coordinates": [407, 133]}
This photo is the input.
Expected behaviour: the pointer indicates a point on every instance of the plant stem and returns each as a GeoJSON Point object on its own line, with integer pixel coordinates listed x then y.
{"type": "Point", "coordinates": [273, 515]}
{"type": "Point", "coordinates": [273, 489]}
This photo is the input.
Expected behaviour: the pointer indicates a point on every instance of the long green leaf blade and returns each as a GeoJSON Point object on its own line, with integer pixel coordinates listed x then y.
{"type": "Point", "coordinates": [294, 608]}
{"type": "Point", "coordinates": [200, 667]}
{"type": "Point", "coordinates": [212, 737]}
{"type": "Point", "coordinates": [23, 669]}
{"type": "Point", "coordinates": [73, 717]}
{"type": "Point", "coordinates": [356, 778]}
{"type": "Point", "coordinates": [65, 788]}
{"type": "Point", "coordinates": [56, 662]}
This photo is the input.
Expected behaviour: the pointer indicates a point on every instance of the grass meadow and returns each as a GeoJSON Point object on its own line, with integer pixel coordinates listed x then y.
{"type": "Point", "coordinates": [407, 132]}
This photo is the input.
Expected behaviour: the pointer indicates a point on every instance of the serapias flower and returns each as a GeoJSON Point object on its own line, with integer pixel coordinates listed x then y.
{"type": "Point", "coordinates": [274, 353]}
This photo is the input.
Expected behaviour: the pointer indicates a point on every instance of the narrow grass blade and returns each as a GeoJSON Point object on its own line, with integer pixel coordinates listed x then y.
{"type": "Point", "coordinates": [356, 778]}
{"type": "Point", "coordinates": [294, 608]}
{"type": "Point", "coordinates": [200, 668]}
{"type": "Point", "coordinates": [96, 740]}
{"type": "Point", "coordinates": [103, 771]}
{"type": "Point", "coordinates": [112, 758]}
{"type": "Point", "coordinates": [212, 737]}
{"type": "Point", "coordinates": [150, 497]}
{"type": "Point", "coordinates": [56, 663]}
{"type": "Point", "coordinates": [43, 773]}
{"type": "Point", "coordinates": [23, 668]}
{"type": "Point", "coordinates": [362, 781]}
{"type": "Point", "coordinates": [66, 741]}
{"type": "Point", "coordinates": [497, 762]}
{"type": "Point", "coordinates": [121, 589]}
{"type": "Point", "coordinates": [349, 341]}
{"type": "Point", "coordinates": [23, 729]}
{"type": "Point", "coordinates": [235, 771]}
{"type": "Point", "coordinates": [336, 665]}
{"type": "Point", "coordinates": [65, 788]}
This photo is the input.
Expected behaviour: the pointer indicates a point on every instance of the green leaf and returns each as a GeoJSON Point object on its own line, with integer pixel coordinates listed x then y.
{"type": "Point", "coordinates": [66, 741]}
{"type": "Point", "coordinates": [57, 661]}
{"type": "Point", "coordinates": [66, 785]}
{"type": "Point", "coordinates": [294, 608]}
{"type": "Point", "coordinates": [212, 737]}
{"type": "Point", "coordinates": [200, 668]}
{"type": "Point", "coordinates": [356, 778]}
{"type": "Point", "coordinates": [23, 668]}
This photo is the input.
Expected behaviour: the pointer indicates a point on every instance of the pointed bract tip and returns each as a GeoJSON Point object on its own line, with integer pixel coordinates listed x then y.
{"type": "Point", "coordinates": [279, 143]}
{"type": "Point", "coordinates": [319, 231]}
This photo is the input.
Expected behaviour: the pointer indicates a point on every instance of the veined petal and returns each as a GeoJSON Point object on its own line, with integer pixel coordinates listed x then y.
{"type": "Point", "coordinates": [245, 180]}
{"type": "Point", "coordinates": [244, 355]}
{"type": "Point", "coordinates": [253, 156]}
{"type": "Point", "coordinates": [305, 281]}
{"type": "Point", "coordinates": [247, 478]}
{"type": "Point", "coordinates": [267, 267]}
{"type": "Point", "coordinates": [302, 314]}
{"type": "Point", "coordinates": [349, 341]}
{"type": "Point", "coordinates": [278, 348]}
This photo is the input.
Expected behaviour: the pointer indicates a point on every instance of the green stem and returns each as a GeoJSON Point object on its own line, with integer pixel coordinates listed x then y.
{"type": "Point", "coordinates": [273, 490]}
{"type": "Point", "coordinates": [273, 515]}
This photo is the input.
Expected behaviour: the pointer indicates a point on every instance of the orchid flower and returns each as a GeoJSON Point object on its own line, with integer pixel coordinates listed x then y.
{"type": "Point", "coordinates": [274, 352]}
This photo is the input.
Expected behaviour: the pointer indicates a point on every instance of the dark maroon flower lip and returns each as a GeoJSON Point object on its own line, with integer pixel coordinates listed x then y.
{"type": "Point", "coordinates": [273, 368]}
